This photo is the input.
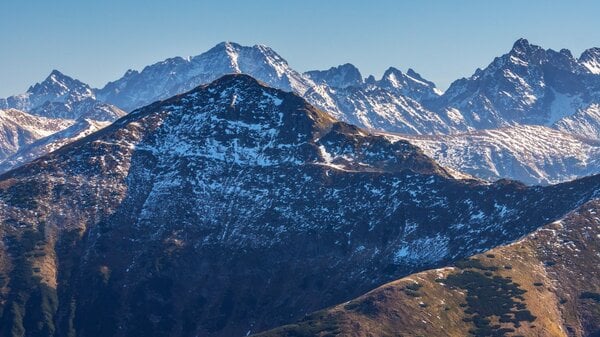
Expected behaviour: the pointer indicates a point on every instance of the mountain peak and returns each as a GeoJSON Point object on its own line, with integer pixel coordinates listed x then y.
{"type": "Point", "coordinates": [410, 72]}
{"type": "Point", "coordinates": [589, 53]}
{"type": "Point", "coordinates": [246, 95]}
{"type": "Point", "coordinates": [233, 50]}
{"type": "Point", "coordinates": [393, 77]}
{"type": "Point", "coordinates": [57, 85]}
{"type": "Point", "coordinates": [234, 80]}
{"type": "Point", "coordinates": [259, 61]}
{"type": "Point", "coordinates": [566, 52]}
{"type": "Point", "coordinates": [56, 73]}
{"type": "Point", "coordinates": [391, 71]}
{"type": "Point", "coordinates": [526, 51]}
{"type": "Point", "coordinates": [590, 59]}
{"type": "Point", "coordinates": [58, 78]}
{"type": "Point", "coordinates": [342, 76]}
{"type": "Point", "coordinates": [410, 84]}
{"type": "Point", "coordinates": [521, 45]}
{"type": "Point", "coordinates": [225, 45]}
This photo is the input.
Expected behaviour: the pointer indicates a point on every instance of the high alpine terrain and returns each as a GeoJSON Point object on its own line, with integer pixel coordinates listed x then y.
{"type": "Point", "coordinates": [18, 129]}
{"type": "Point", "coordinates": [50, 114]}
{"type": "Point", "coordinates": [533, 154]}
{"type": "Point", "coordinates": [551, 91]}
{"type": "Point", "coordinates": [234, 208]}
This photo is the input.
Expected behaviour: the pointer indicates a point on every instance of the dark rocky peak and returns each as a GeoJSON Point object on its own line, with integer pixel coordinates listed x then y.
{"type": "Point", "coordinates": [236, 118]}
{"type": "Point", "coordinates": [285, 118]}
{"type": "Point", "coordinates": [413, 74]}
{"type": "Point", "coordinates": [130, 72]}
{"type": "Point", "coordinates": [566, 52]}
{"type": "Point", "coordinates": [516, 82]}
{"type": "Point", "coordinates": [393, 76]}
{"type": "Point", "coordinates": [249, 99]}
{"type": "Point", "coordinates": [521, 46]}
{"type": "Point", "coordinates": [342, 76]}
{"type": "Point", "coordinates": [524, 49]}
{"type": "Point", "coordinates": [523, 54]}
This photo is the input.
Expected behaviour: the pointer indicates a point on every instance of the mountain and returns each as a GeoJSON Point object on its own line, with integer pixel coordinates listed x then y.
{"type": "Point", "coordinates": [506, 111]}
{"type": "Point", "coordinates": [234, 208]}
{"type": "Point", "coordinates": [60, 96]}
{"type": "Point", "coordinates": [18, 129]}
{"type": "Point", "coordinates": [391, 103]}
{"type": "Point", "coordinates": [56, 88]}
{"type": "Point", "coordinates": [27, 152]}
{"type": "Point", "coordinates": [410, 85]}
{"type": "Point", "coordinates": [545, 284]}
{"type": "Point", "coordinates": [590, 59]}
{"type": "Point", "coordinates": [342, 76]}
{"type": "Point", "coordinates": [173, 76]}
{"type": "Point", "coordinates": [374, 107]}
{"type": "Point", "coordinates": [394, 103]}
{"type": "Point", "coordinates": [57, 111]}
{"type": "Point", "coordinates": [584, 123]}
{"type": "Point", "coordinates": [529, 153]}
{"type": "Point", "coordinates": [528, 85]}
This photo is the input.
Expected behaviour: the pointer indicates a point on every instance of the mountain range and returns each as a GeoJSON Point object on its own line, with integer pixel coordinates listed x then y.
{"type": "Point", "coordinates": [528, 86]}
{"type": "Point", "coordinates": [236, 207]}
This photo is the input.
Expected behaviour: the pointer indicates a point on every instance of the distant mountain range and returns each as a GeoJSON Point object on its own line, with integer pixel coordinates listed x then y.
{"type": "Point", "coordinates": [528, 86]}
{"type": "Point", "coordinates": [236, 207]}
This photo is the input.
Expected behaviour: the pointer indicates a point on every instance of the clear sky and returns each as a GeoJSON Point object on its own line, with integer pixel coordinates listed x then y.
{"type": "Point", "coordinates": [97, 41]}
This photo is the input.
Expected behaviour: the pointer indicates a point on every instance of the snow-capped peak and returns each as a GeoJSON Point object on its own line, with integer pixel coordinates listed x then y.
{"type": "Point", "coordinates": [590, 59]}
{"type": "Point", "coordinates": [394, 77]}
{"type": "Point", "coordinates": [173, 76]}
{"type": "Point", "coordinates": [410, 84]}
{"type": "Point", "coordinates": [57, 85]}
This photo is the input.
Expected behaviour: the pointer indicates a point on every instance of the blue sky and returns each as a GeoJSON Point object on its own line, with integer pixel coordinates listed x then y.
{"type": "Point", "coordinates": [97, 41]}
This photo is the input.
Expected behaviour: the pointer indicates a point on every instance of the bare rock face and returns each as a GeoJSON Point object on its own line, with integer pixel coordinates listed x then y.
{"type": "Point", "coordinates": [234, 208]}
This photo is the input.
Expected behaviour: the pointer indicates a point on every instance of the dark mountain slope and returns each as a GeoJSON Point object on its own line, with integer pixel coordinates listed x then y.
{"type": "Point", "coordinates": [546, 284]}
{"type": "Point", "coordinates": [234, 208]}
